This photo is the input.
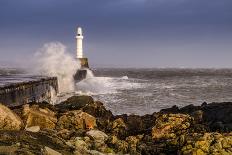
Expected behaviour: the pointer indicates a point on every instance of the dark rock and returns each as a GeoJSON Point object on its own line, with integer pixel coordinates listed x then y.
{"type": "Point", "coordinates": [173, 109]}
{"type": "Point", "coordinates": [135, 124]}
{"type": "Point", "coordinates": [74, 103]}
{"type": "Point", "coordinates": [97, 109]}
{"type": "Point", "coordinates": [189, 109]}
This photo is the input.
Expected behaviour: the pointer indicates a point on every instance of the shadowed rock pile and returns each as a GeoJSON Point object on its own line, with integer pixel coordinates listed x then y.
{"type": "Point", "coordinates": [82, 126]}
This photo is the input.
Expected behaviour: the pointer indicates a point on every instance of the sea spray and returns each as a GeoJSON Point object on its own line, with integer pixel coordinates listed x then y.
{"type": "Point", "coordinates": [94, 85]}
{"type": "Point", "coordinates": [54, 60]}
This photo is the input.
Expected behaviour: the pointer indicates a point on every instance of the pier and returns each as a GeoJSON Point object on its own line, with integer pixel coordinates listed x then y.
{"type": "Point", "coordinates": [31, 90]}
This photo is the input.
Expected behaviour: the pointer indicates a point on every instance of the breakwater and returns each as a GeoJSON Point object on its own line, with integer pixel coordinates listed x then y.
{"type": "Point", "coordinates": [36, 90]}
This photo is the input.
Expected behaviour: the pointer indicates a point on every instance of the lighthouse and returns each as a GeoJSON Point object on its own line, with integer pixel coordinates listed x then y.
{"type": "Point", "coordinates": [79, 38]}
{"type": "Point", "coordinates": [79, 55]}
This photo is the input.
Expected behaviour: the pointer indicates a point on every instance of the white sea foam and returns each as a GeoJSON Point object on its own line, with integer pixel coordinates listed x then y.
{"type": "Point", "coordinates": [125, 77]}
{"type": "Point", "coordinates": [54, 60]}
{"type": "Point", "coordinates": [104, 85]}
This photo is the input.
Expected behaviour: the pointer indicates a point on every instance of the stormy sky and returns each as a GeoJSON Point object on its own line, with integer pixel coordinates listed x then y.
{"type": "Point", "coordinates": [121, 33]}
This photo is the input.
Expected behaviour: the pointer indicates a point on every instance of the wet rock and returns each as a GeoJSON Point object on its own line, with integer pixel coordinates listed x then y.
{"type": "Point", "coordinates": [217, 116]}
{"type": "Point", "coordinates": [36, 116]}
{"type": "Point", "coordinates": [135, 124]}
{"type": "Point", "coordinates": [189, 109]}
{"type": "Point", "coordinates": [74, 103]}
{"type": "Point", "coordinates": [169, 126]}
{"type": "Point", "coordinates": [33, 129]}
{"type": "Point", "coordinates": [103, 116]}
{"type": "Point", "coordinates": [77, 119]}
{"type": "Point", "coordinates": [9, 120]}
{"type": "Point", "coordinates": [218, 112]}
{"type": "Point", "coordinates": [174, 109]}
{"type": "Point", "coordinates": [198, 116]}
{"type": "Point", "coordinates": [97, 109]}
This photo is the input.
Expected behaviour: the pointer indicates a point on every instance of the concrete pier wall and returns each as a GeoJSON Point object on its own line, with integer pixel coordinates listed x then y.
{"type": "Point", "coordinates": [25, 92]}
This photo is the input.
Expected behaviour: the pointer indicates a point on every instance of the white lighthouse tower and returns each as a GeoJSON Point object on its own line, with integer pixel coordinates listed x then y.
{"type": "Point", "coordinates": [80, 57]}
{"type": "Point", "coordinates": [79, 38]}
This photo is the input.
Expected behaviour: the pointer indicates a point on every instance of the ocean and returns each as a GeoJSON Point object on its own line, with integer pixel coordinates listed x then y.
{"type": "Point", "coordinates": [144, 91]}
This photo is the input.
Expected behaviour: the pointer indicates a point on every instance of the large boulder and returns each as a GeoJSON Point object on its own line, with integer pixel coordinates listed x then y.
{"type": "Point", "coordinates": [169, 126]}
{"type": "Point", "coordinates": [9, 120]}
{"type": "Point", "coordinates": [75, 120]}
{"type": "Point", "coordinates": [99, 138]}
{"type": "Point", "coordinates": [97, 135]}
{"type": "Point", "coordinates": [74, 103]}
{"type": "Point", "coordinates": [36, 116]}
{"type": "Point", "coordinates": [97, 109]}
{"type": "Point", "coordinates": [218, 113]}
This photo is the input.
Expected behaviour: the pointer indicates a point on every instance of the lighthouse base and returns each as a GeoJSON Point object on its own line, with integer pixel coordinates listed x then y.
{"type": "Point", "coordinates": [82, 73]}
{"type": "Point", "coordinates": [84, 62]}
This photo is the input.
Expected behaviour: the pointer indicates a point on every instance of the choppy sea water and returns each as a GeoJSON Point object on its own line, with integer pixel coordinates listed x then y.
{"type": "Point", "coordinates": [144, 91]}
{"type": "Point", "coordinates": [10, 76]}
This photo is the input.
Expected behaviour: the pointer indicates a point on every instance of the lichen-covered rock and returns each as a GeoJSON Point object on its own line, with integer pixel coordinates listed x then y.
{"type": "Point", "coordinates": [80, 146]}
{"type": "Point", "coordinates": [5, 150]}
{"type": "Point", "coordinates": [169, 126]}
{"type": "Point", "coordinates": [97, 135]}
{"type": "Point", "coordinates": [132, 143]}
{"type": "Point", "coordinates": [9, 120]}
{"type": "Point", "coordinates": [208, 143]}
{"type": "Point", "coordinates": [98, 140]}
{"type": "Point", "coordinates": [76, 119]}
{"type": "Point", "coordinates": [119, 128]}
{"type": "Point", "coordinates": [119, 146]}
{"type": "Point", "coordinates": [36, 116]}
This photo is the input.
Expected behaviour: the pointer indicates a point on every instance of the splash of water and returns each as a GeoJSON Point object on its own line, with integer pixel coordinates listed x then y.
{"type": "Point", "coordinates": [54, 60]}
{"type": "Point", "coordinates": [93, 85]}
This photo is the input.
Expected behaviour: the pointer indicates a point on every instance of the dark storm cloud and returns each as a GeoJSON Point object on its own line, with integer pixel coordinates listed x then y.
{"type": "Point", "coordinates": [163, 32]}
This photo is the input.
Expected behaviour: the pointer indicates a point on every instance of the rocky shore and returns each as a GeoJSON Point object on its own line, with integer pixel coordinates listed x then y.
{"type": "Point", "coordinates": [82, 126]}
